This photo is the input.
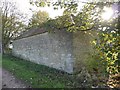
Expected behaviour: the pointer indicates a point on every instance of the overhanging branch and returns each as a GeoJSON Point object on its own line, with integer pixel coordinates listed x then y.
{"type": "Point", "coordinates": [77, 29]}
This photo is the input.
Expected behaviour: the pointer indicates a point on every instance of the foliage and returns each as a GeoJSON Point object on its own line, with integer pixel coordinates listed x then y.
{"type": "Point", "coordinates": [38, 19]}
{"type": "Point", "coordinates": [89, 18]}
{"type": "Point", "coordinates": [109, 49]}
{"type": "Point", "coordinates": [108, 44]}
{"type": "Point", "coordinates": [82, 21]}
{"type": "Point", "coordinates": [12, 26]}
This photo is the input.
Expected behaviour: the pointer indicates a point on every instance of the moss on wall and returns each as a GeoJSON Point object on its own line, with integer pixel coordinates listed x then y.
{"type": "Point", "coordinates": [83, 49]}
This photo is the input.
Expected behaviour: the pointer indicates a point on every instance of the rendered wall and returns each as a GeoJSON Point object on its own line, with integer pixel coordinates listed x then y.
{"type": "Point", "coordinates": [51, 49]}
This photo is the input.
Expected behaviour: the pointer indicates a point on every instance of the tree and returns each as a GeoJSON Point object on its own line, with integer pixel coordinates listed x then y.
{"type": "Point", "coordinates": [108, 44]}
{"type": "Point", "coordinates": [12, 24]}
{"type": "Point", "coordinates": [89, 18]}
{"type": "Point", "coordinates": [38, 19]}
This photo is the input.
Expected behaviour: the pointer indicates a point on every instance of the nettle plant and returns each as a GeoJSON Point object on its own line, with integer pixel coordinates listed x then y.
{"type": "Point", "coordinates": [100, 17]}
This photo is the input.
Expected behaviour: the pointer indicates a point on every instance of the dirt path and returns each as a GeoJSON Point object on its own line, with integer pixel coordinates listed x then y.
{"type": "Point", "coordinates": [10, 81]}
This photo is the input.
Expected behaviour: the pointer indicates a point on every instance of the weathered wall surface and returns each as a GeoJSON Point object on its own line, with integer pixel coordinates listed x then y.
{"type": "Point", "coordinates": [82, 49]}
{"type": "Point", "coordinates": [51, 49]}
{"type": "Point", "coordinates": [60, 49]}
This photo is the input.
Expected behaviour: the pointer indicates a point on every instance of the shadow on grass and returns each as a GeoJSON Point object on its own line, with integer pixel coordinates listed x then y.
{"type": "Point", "coordinates": [38, 76]}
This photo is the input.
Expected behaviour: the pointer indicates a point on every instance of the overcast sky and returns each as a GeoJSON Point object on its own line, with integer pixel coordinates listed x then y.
{"type": "Point", "coordinates": [24, 7]}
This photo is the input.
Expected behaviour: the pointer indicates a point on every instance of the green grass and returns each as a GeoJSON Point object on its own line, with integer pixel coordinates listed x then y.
{"type": "Point", "coordinates": [37, 76]}
{"type": "Point", "coordinates": [40, 76]}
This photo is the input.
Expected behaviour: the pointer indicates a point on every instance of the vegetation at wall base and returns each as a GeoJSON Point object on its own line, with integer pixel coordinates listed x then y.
{"type": "Point", "coordinates": [39, 76]}
{"type": "Point", "coordinates": [89, 19]}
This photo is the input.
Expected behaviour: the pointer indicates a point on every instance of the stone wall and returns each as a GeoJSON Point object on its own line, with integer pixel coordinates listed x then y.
{"type": "Point", "coordinates": [51, 49]}
{"type": "Point", "coordinates": [62, 50]}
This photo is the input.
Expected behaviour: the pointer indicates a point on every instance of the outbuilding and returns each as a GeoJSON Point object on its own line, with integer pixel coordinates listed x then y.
{"type": "Point", "coordinates": [58, 49]}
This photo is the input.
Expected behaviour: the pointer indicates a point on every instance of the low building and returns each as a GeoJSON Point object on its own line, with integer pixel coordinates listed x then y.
{"type": "Point", "coordinates": [58, 49]}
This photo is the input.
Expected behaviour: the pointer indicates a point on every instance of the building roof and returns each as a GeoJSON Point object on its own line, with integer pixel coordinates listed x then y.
{"type": "Point", "coordinates": [32, 32]}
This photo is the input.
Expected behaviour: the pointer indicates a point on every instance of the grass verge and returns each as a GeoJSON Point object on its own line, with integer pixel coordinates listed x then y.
{"type": "Point", "coordinates": [37, 76]}
{"type": "Point", "coordinates": [40, 76]}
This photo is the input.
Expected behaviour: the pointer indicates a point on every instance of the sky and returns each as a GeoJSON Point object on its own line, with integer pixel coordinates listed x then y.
{"type": "Point", "coordinates": [24, 7]}
{"type": "Point", "coordinates": [27, 9]}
